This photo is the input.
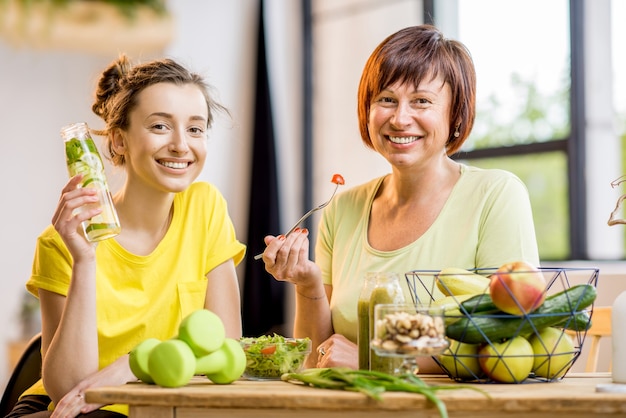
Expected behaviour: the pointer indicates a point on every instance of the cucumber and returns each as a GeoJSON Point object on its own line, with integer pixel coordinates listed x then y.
{"type": "Point", "coordinates": [580, 321]}
{"type": "Point", "coordinates": [483, 304]}
{"type": "Point", "coordinates": [554, 311]}
{"type": "Point", "coordinates": [479, 304]}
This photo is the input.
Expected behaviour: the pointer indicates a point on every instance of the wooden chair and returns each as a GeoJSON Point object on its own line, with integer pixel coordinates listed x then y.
{"type": "Point", "coordinates": [26, 373]}
{"type": "Point", "coordinates": [600, 327]}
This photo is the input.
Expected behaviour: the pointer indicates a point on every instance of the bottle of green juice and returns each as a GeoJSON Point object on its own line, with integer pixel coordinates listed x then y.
{"type": "Point", "coordinates": [363, 318]}
{"type": "Point", "coordinates": [377, 288]}
{"type": "Point", "coordinates": [81, 156]}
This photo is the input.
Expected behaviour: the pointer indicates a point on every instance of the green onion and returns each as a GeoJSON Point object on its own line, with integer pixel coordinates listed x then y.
{"type": "Point", "coordinates": [372, 383]}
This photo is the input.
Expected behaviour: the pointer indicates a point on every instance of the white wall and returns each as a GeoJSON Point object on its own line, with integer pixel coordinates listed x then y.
{"type": "Point", "coordinates": [40, 92]}
{"type": "Point", "coordinates": [356, 26]}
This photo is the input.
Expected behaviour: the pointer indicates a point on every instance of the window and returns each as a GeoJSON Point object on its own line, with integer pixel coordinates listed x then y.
{"type": "Point", "coordinates": [544, 107]}
{"type": "Point", "coordinates": [529, 91]}
{"type": "Point", "coordinates": [618, 37]}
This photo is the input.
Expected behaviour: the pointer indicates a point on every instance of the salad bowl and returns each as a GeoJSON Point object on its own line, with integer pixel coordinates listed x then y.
{"type": "Point", "coordinates": [269, 357]}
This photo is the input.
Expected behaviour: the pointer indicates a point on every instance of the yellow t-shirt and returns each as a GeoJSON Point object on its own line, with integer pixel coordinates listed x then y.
{"type": "Point", "coordinates": [140, 297]}
{"type": "Point", "coordinates": [486, 222]}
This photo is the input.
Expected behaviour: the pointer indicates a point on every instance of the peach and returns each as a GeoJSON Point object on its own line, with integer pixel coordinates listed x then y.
{"type": "Point", "coordinates": [517, 288]}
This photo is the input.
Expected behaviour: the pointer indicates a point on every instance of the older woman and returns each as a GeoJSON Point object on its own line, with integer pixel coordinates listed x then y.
{"type": "Point", "coordinates": [416, 107]}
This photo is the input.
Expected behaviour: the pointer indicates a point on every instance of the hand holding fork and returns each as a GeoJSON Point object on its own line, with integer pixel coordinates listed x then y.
{"type": "Point", "coordinates": [338, 180]}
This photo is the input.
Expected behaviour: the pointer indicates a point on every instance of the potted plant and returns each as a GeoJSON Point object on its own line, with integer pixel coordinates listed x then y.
{"type": "Point", "coordinates": [91, 26]}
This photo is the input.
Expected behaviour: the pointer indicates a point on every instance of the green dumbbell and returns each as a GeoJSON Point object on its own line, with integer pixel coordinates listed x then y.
{"type": "Point", "coordinates": [203, 331]}
{"type": "Point", "coordinates": [224, 365]}
{"type": "Point", "coordinates": [200, 348]}
{"type": "Point", "coordinates": [171, 363]}
{"type": "Point", "coordinates": [138, 359]}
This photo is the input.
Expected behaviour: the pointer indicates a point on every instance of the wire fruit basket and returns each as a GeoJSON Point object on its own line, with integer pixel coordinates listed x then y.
{"type": "Point", "coordinates": [488, 345]}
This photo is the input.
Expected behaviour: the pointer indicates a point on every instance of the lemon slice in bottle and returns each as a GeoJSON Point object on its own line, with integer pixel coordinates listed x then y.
{"type": "Point", "coordinates": [93, 161]}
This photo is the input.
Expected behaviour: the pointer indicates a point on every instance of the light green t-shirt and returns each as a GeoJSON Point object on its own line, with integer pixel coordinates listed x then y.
{"type": "Point", "coordinates": [486, 222]}
{"type": "Point", "coordinates": [140, 297]}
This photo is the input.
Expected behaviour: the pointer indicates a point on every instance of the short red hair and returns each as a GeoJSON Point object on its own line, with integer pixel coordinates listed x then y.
{"type": "Point", "coordinates": [411, 55]}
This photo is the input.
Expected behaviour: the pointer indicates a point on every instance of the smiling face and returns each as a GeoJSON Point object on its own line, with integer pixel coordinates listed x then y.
{"type": "Point", "coordinates": [413, 55]}
{"type": "Point", "coordinates": [165, 144]}
{"type": "Point", "coordinates": [410, 125]}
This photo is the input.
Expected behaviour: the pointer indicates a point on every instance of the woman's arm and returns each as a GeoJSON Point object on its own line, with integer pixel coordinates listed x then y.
{"type": "Point", "coordinates": [73, 403]}
{"type": "Point", "coordinates": [69, 327]}
{"type": "Point", "coordinates": [69, 335]}
{"type": "Point", "coordinates": [312, 317]}
{"type": "Point", "coordinates": [223, 297]}
{"type": "Point", "coordinates": [286, 258]}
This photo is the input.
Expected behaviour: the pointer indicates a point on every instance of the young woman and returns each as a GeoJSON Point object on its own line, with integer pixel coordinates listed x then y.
{"type": "Point", "coordinates": [176, 252]}
{"type": "Point", "coordinates": [416, 107]}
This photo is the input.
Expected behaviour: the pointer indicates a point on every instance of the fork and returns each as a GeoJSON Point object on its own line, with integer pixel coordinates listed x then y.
{"type": "Point", "coordinates": [305, 216]}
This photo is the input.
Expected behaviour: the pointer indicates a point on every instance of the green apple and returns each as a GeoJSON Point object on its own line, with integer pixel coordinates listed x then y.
{"type": "Point", "coordinates": [553, 350]}
{"type": "Point", "coordinates": [510, 361]}
{"type": "Point", "coordinates": [460, 360]}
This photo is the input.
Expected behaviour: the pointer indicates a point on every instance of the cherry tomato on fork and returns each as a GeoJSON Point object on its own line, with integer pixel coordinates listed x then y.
{"type": "Point", "coordinates": [338, 179]}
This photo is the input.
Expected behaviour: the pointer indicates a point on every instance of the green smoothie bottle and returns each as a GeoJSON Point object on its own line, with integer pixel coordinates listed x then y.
{"type": "Point", "coordinates": [81, 155]}
{"type": "Point", "coordinates": [363, 317]}
{"type": "Point", "coordinates": [377, 288]}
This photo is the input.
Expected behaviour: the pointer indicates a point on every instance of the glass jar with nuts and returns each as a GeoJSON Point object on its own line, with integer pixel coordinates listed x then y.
{"type": "Point", "coordinates": [408, 331]}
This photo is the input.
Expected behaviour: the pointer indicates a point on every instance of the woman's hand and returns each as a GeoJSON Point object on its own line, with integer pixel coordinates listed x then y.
{"type": "Point", "coordinates": [67, 223]}
{"type": "Point", "coordinates": [73, 403]}
{"type": "Point", "coordinates": [287, 258]}
{"type": "Point", "coordinates": [337, 351]}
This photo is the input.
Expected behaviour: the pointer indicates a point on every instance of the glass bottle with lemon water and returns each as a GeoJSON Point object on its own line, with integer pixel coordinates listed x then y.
{"type": "Point", "coordinates": [82, 157]}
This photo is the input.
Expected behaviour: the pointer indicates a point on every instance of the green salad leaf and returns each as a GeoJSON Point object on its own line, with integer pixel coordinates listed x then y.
{"type": "Point", "coordinates": [269, 356]}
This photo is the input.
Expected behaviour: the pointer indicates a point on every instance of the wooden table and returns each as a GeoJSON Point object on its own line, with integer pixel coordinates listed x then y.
{"type": "Point", "coordinates": [575, 396]}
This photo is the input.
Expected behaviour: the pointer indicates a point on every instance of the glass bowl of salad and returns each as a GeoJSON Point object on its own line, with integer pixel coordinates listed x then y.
{"type": "Point", "coordinates": [269, 356]}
